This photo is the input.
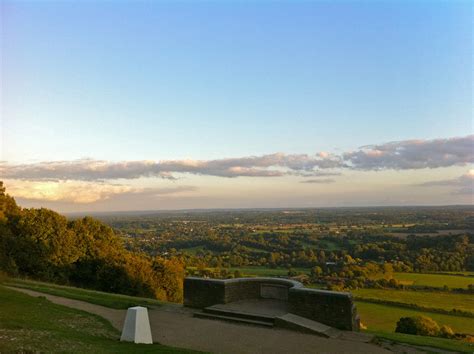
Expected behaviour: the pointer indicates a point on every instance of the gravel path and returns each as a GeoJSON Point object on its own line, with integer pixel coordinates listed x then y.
{"type": "Point", "coordinates": [174, 326]}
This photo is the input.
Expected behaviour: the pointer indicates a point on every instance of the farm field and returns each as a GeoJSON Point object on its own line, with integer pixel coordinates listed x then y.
{"type": "Point", "coordinates": [437, 280]}
{"type": "Point", "coordinates": [267, 272]}
{"type": "Point", "coordinates": [377, 317]}
{"type": "Point", "coordinates": [261, 271]}
{"type": "Point", "coordinates": [441, 300]}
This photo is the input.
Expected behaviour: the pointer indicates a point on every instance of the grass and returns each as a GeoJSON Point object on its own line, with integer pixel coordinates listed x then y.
{"type": "Point", "coordinates": [267, 272]}
{"type": "Point", "coordinates": [33, 324]}
{"type": "Point", "coordinates": [441, 300]}
{"type": "Point", "coordinates": [433, 342]}
{"type": "Point", "coordinates": [115, 301]}
{"type": "Point", "coordinates": [436, 280]}
{"type": "Point", "coordinates": [383, 318]}
{"type": "Point", "coordinates": [193, 250]}
{"type": "Point", "coordinates": [261, 271]}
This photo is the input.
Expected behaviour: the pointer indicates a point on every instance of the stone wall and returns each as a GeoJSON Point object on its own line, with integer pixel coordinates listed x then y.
{"type": "Point", "coordinates": [335, 309]}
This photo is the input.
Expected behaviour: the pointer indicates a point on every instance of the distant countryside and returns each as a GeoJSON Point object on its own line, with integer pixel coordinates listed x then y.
{"type": "Point", "coordinates": [396, 261]}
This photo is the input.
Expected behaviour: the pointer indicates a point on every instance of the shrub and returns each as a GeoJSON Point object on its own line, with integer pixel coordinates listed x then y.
{"type": "Point", "coordinates": [418, 325]}
{"type": "Point", "coordinates": [446, 332]}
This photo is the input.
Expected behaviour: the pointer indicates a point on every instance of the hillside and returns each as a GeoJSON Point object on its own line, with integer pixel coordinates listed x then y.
{"type": "Point", "coordinates": [34, 324]}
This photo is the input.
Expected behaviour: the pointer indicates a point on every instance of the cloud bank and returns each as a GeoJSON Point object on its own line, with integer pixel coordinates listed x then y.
{"type": "Point", "coordinates": [401, 155]}
{"type": "Point", "coordinates": [413, 154]}
{"type": "Point", "coordinates": [463, 185]}
{"type": "Point", "coordinates": [273, 165]}
{"type": "Point", "coordinates": [86, 192]}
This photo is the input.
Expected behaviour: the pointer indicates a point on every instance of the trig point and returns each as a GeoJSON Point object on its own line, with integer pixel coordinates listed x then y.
{"type": "Point", "coordinates": [137, 326]}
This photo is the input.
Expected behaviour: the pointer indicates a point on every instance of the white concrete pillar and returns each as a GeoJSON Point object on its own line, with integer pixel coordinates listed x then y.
{"type": "Point", "coordinates": [137, 326]}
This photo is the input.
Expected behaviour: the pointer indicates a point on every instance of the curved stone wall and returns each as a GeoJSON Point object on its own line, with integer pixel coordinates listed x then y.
{"type": "Point", "coordinates": [335, 309]}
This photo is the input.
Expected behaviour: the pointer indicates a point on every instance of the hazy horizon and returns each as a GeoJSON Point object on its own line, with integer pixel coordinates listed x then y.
{"type": "Point", "coordinates": [123, 106]}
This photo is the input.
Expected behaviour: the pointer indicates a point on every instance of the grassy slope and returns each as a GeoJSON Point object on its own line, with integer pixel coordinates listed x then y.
{"type": "Point", "coordinates": [441, 300]}
{"type": "Point", "coordinates": [384, 318]}
{"type": "Point", "coordinates": [432, 342]}
{"type": "Point", "coordinates": [29, 324]}
{"type": "Point", "coordinates": [115, 301]}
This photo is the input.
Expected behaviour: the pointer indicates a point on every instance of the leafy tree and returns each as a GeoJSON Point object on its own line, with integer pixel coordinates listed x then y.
{"type": "Point", "coordinates": [418, 325]}
{"type": "Point", "coordinates": [446, 332]}
{"type": "Point", "coordinates": [43, 243]}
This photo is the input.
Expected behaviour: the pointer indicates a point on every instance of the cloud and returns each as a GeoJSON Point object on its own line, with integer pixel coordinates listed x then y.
{"type": "Point", "coordinates": [319, 181]}
{"type": "Point", "coordinates": [84, 192]}
{"type": "Point", "coordinates": [463, 184]}
{"type": "Point", "coordinates": [413, 154]}
{"type": "Point", "coordinates": [408, 154]}
{"type": "Point", "coordinates": [273, 165]}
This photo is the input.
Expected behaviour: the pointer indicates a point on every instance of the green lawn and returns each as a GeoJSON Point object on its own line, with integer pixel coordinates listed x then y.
{"type": "Point", "coordinates": [440, 300]}
{"type": "Point", "coordinates": [115, 301]}
{"type": "Point", "coordinates": [441, 343]}
{"type": "Point", "coordinates": [437, 280]}
{"type": "Point", "coordinates": [384, 318]}
{"type": "Point", "coordinates": [33, 324]}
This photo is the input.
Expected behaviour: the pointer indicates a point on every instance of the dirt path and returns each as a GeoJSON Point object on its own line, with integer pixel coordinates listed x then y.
{"type": "Point", "coordinates": [175, 326]}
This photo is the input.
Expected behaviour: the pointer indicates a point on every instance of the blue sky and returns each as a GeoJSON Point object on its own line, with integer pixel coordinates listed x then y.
{"type": "Point", "coordinates": [207, 80]}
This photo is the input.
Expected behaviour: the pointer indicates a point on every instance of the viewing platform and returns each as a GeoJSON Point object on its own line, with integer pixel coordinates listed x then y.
{"type": "Point", "coordinates": [274, 302]}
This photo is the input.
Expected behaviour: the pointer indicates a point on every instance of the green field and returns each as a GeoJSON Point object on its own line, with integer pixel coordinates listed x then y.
{"type": "Point", "coordinates": [441, 300]}
{"type": "Point", "coordinates": [384, 318]}
{"type": "Point", "coordinates": [261, 271]}
{"type": "Point", "coordinates": [436, 280]}
{"type": "Point", "coordinates": [427, 343]}
{"type": "Point", "coordinates": [33, 325]}
{"type": "Point", "coordinates": [267, 272]}
{"type": "Point", "coordinates": [115, 301]}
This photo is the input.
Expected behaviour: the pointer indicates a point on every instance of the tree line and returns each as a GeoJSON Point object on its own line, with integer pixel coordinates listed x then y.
{"type": "Point", "coordinates": [42, 244]}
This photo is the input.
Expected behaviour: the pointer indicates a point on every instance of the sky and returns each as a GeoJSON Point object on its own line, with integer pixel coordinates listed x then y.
{"type": "Point", "coordinates": [138, 105]}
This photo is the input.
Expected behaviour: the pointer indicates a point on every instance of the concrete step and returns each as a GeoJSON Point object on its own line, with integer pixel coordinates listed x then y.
{"type": "Point", "coordinates": [211, 316]}
{"type": "Point", "coordinates": [215, 310]}
{"type": "Point", "coordinates": [306, 325]}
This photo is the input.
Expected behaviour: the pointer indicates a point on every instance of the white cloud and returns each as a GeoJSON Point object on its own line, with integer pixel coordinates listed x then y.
{"type": "Point", "coordinates": [83, 192]}
{"type": "Point", "coordinates": [273, 165]}
{"type": "Point", "coordinates": [402, 155]}
{"type": "Point", "coordinates": [414, 154]}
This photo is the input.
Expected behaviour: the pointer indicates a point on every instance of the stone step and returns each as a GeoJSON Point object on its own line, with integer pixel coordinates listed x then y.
{"type": "Point", "coordinates": [306, 325]}
{"type": "Point", "coordinates": [215, 310]}
{"type": "Point", "coordinates": [211, 316]}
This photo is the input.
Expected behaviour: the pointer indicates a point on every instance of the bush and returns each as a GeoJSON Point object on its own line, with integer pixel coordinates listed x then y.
{"type": "Point", "coordinates": [446, 332]}
{"type": "Point", "coordinates": [418, 325]}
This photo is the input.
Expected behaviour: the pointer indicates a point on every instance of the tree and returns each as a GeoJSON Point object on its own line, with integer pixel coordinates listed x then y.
{"type": "Point", "coordinates": [418, 325]}
{"type": "Point", "coordinates": [316, 271]}
{"type": "Point", "coordinates": [44, 245]}
{"type": "Point", "coordinates": [446, 332]}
